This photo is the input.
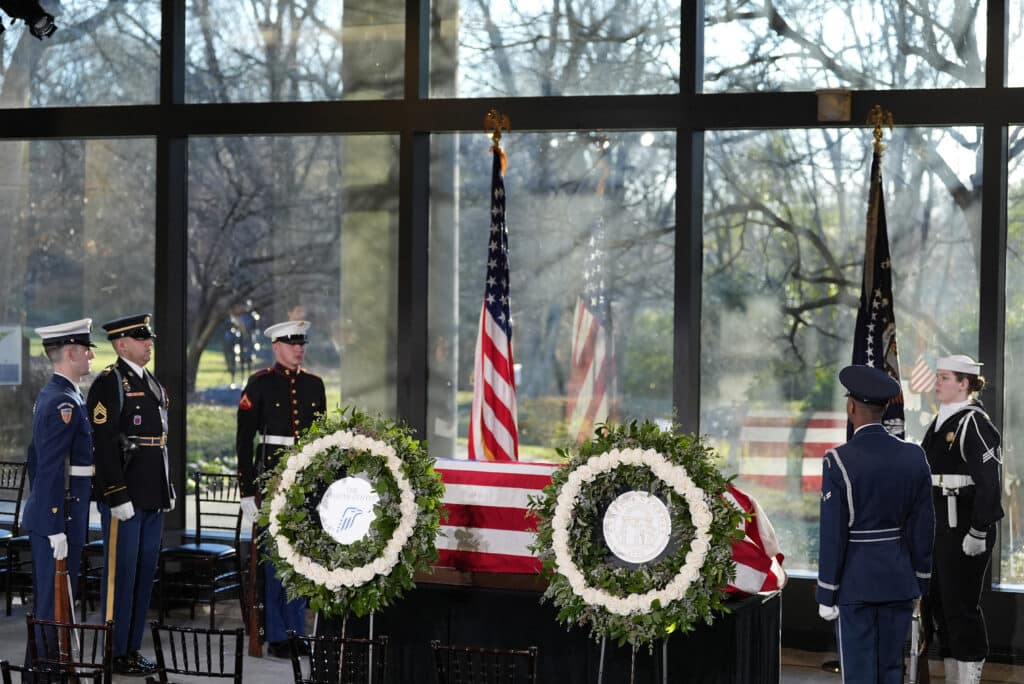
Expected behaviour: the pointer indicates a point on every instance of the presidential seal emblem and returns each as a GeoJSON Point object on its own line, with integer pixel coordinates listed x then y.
{"type": "Point", "coordinates": [637, 527]}
{"type": "Point", "coordinates": [346, 509]}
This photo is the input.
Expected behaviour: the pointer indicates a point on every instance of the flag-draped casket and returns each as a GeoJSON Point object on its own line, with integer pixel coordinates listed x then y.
{"type": "Point", "coordinates": [489, 528]}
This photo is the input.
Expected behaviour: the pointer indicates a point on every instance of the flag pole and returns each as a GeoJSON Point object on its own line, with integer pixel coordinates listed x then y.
{"type": "Point", "coordinates": [878, 118]}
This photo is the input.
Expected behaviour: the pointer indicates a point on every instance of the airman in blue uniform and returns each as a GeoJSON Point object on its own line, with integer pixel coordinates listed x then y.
{"type": "Point", "coordinates": [877, 531]}
{"type": "Point", "coordinates": [60, 463]}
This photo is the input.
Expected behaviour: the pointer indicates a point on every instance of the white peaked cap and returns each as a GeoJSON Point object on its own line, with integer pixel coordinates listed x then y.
{"type": "Point", "coordinates": [73, 332]}
{"type": "Point", "coordinates": [959, 363]}
{"type": "Point", "coordinates": [288, 329]}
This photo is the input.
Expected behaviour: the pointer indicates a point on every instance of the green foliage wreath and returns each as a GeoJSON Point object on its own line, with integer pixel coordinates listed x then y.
{"type": "Point", "coordinates": [376, 570]}
{"type": "Point", "coordinates": [637, 603]}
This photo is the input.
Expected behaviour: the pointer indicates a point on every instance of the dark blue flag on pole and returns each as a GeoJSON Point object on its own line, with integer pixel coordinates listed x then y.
{"type": "Point", "coordinates": [874, 339]}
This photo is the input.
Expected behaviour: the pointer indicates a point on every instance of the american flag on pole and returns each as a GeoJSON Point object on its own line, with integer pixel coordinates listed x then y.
{"type": "Point", "coordinates": [493, 435]}
{"type": "Point", "coordinates": [874, 339]}
{"type": "Point", "coordinates": [592, 391]}
{"type": "Point", "coordinates": [922, 376]}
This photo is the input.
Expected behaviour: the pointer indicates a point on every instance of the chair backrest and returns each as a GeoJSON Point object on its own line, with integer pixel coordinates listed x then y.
{"type": "Point", "coordinates": [338, 660]}
{"type": "Point", "coordinates": [218, 505]}
{"type": "Point", "coordinates": [90, 647]}
{"type": "Point", "coordinates": [40, 676]}
{"type": "Point", "coordinates": [12, 486]}
{"type": "Point", "coordinates": [472, 665]}
{"type": "Point", "coordinates": [198, 652]}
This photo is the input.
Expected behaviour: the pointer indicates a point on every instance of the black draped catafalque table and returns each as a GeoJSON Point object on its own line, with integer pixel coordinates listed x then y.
{"type": "Point", "coordinates": [741, 647]}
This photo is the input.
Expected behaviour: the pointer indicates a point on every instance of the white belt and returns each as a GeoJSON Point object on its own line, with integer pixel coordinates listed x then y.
{"type": "Point", "coordinates": [952, 481]}
{"type": "Point", "coordinates": [81, 471]}
{"type": "Point", "coordinates": [275, 439]}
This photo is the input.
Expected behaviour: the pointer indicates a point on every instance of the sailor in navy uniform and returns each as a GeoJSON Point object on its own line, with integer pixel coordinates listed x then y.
{"type": "Point", "coordinates": [128, 410]}
{"type": "Point", "coordinates": [59, 463]}
{"type": "Point", "coordinates": [877, 530]}
{"type": "Point", "coordinates": [277, 404]}
{"type": "Point", "coordinates": [963, 449]}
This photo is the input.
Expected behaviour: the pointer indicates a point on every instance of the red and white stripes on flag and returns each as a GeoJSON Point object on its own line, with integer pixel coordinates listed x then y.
{"type": "Point", "coordinates": [493, 432]}
{"type": "Point", "coordinates": [922, 376]}
{"type": "Point", "coordinates": [489, 528]}
{"type": "Point", "coordinates": [592, 391]}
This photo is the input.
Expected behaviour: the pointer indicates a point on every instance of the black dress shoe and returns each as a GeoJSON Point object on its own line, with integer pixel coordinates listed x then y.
{"type": "Point", "coordinates": [279, 649]}
{"type": "Point", "coordinates": [126, 665]}
{"type": "Point", "coordinates": [145, 665]}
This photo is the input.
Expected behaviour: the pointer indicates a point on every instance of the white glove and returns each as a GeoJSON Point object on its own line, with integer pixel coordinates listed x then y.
{"type": "Point", "coordinates": [123, 512]}
{"type": "Point", "coordinates": [171, 507]}
{"type": "Point", "coordinates": [59, 542]}
{"type": "Point", "coordinates": [829, 613]}
{"type": "Point", "coordinates": [249, 510]}
{"type": "Point", "coordinates": [973, 546]}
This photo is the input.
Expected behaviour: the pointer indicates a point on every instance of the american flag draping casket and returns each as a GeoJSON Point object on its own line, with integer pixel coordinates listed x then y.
{"type": "Point", "coordinates": [776, 445]}
{"type": "Point", "coordinates": [489, 528]}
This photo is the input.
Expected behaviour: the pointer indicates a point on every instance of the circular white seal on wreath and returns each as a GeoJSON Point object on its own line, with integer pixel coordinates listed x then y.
{"type": "Point", "coordinates": [637, 527]}
{"type": "Point", "coordinates": [346, 509]}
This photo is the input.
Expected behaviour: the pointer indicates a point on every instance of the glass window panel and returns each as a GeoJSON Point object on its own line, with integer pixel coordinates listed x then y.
{"type": "Point", "coordinates": [103, 53]}
{"type": "Point", "coordinates": [784, 228]}
{"type": "Point", "coordinates": [579, 205]}
{"type": "Point", "coordinates": [1012, 543]}
{"type": "Point", "coordinates": [517, 49]}
{"type": "Point", "coordinates": [77, 230]}
{"type": "Point", "coordinates": [1015, 47]}
{"type": "Point", "coordinates": [280, 228]}
{"type": "Point", "coordinates": [751, 45]}
{"type": "Point", "coordinates": [294, 51]}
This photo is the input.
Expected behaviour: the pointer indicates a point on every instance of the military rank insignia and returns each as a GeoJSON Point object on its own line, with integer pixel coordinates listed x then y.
{"type": "Point", "coordinates": [99, 414]}
{"type": "Point", "coordinates": [65, 412]}
{"type": "Point", "coordinates": [950, 437]}
{"type": "Point", "coordinates": [245, 404]}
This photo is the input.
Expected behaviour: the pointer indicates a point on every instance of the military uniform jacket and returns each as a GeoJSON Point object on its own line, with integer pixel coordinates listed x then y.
{"type": "Point", "coordinates": [61, 436]}
{"type": "Point", "coordinates": [276, 406]}
{"type": "Point", "coordinates": [967, 443]}
{"type": "Point", "coordinates": [134, 468]}
{"type": "Point", "coordinates": [877, 520]}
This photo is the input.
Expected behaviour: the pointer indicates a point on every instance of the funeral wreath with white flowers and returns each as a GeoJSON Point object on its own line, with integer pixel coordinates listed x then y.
{"type": "Point", "coordinates": [635, 536]}
{"type": "Point", "coordinates": [351, 513]}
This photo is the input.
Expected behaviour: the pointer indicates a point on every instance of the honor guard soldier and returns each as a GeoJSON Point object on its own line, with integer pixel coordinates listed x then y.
{"type": "Point", "coordinates": [963, 448]}
{"type": "Point", "coordinates": [59, 463]}
{"type": "Point", "coordinates": [877, 530]}
{"type": "Point", "coordinates": [277, 404]}
{"type": "Point", "coordinates": [128, 410]}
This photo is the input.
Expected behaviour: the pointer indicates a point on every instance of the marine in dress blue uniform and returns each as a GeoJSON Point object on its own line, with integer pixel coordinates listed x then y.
{"type": "Point", "coordinates": [128, 410]}
{"type": "Point", "coordinates": [877, 531]}
{"type": "Point", "coordinates": [60, 463]}
{"type": "Point", "coordinates": [965, 455]}
{"type": "Point", "coordinates": [277, 404]}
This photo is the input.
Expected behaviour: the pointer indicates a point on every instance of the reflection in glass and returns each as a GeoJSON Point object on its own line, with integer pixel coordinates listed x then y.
{"type": "Point", "coordinates": [1011, 539]}
{"type": "Point", "coordinates": [784, 221]}
{"type": "Point", "coordinates": [751, 45]}
{"type": "Point", "coordinates": [289, 228]}
{"type": "Point", "coordinates": [78, 242]}
{"type": "Point", "coordinates": [103, 53]}
{"type": "Point", "coordinates": [587, 214]}
{"type": "Point", "coordinates": [293, 50]}
{"type": "Point", "coordinates": [515, 49]}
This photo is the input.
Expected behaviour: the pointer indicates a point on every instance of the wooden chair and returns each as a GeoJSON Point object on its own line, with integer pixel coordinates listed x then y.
{"type": "Point", "coordinates": [16, 570]}
{"type": "Point", "coordinates": [197, 652]}
{"type": "Point", "coordinates": [41, 676]}
{"type": "Point", "coordinates": [211, 565]}
{"type": "Point", "coordinates": [92, 647]}
{"type": "Point", "coordinates": [338, 660]}
{"type": "Point", "coordinates": [471, 665]}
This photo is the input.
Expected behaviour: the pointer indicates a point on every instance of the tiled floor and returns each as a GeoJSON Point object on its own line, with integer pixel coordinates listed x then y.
{"type": "Point", "coordinates": [798, 667]}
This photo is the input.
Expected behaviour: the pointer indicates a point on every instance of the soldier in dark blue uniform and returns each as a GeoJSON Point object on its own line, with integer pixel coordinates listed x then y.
{"type": "Point", "coordinates": [128, 410]}
{"type": "Point", "coordinates": [59, 463]}
{"type": "Point", "coordinates": [278, 403]}
{"type": "Point", "coordinates": [877, 530]}
{"type": "Point", "coordinates": [963, 448]}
